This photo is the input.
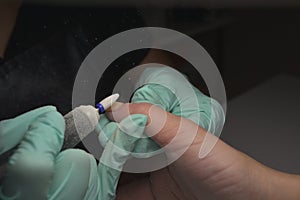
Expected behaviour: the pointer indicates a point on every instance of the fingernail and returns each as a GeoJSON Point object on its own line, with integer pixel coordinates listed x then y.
{"type": "Point", "coordinates": [115, 106]}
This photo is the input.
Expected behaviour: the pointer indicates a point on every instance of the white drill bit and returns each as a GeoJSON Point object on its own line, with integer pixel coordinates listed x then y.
{"type": "Point", "coordinates": [107, 102]}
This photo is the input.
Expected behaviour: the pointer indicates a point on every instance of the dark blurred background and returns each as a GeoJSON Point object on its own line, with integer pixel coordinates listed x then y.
{"type": "Point", "coordinates": [255, 45]}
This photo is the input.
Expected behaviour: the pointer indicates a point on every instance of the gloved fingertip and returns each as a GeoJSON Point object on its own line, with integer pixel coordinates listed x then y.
{"type": "Point", "coordinates": [41, 143]}
{"type": "Point", "coordinates": [157, 94]}
{"type": "Point", "coordinates": [134, 124]}
{"type": "Point", "coordinates": [35, 113]}
{"type": "Point", "coordinates": [55, 120]}
{"type": "Point", "coordinates": [13, 130]}
{"type": "Point", "coordinates": [106, 132]}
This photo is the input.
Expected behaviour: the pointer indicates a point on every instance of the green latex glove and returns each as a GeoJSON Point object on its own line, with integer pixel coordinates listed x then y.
{"type": "Point", "coordinates": [38, 170]}
{"type": "Point", "coordinates": [169, 89]}
{"type": "Point", "coordinates": [123, 140]}
{"type": "Point", "coordinates": [39, 136]}
{"type": "Point", "coordinates": [77, 175]}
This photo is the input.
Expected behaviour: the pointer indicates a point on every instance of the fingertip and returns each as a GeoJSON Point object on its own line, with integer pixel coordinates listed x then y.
{"type": "Point", "coordinates": [118, 113]}
{"type": "Point", "coordinates": [56, 120]}
{"type": "Point", "coordinates": [106, 132]}
{"type": "Point", "coordinates": [160, 124]}
{"type": "Point", "coordinates": [123, 110]}
{"type": "Point", "coordinates": [115, 106]}
{"type": "Point", "coordinates": [134, 124]}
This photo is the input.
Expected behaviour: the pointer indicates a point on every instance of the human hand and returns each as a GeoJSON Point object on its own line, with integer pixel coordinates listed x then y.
{"type": "Point", "coordinates": [171, 91]}
{"type": "Point", "coordinates": [38, 170]}
{"type": "Point", "coordinates": [222, 173]}
{"type": "Point", "coordinates": [37, 137]}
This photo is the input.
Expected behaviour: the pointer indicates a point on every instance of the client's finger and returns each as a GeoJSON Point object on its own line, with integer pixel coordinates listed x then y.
{"type": "Point", "coordinates": [162, 126]}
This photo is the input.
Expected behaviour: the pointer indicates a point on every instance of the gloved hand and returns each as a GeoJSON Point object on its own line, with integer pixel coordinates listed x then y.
{"type": "Point", "coordinates": [38, 170]}
{"type": "Point", "coordinates": [170, 90]}
{"type": "Point", "coordinates": [38, 136]}
{"type": "Point", "coordinates": [77, 175]}
{"type": "Point", "coordinates": [225, 173]}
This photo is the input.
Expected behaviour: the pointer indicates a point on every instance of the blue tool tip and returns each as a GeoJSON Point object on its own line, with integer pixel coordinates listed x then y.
{"type": "Point", "coordinates": [100, 107]}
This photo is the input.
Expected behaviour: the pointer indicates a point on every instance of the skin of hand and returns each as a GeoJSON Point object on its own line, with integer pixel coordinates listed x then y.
{"type": "Point", "coordinates": [225, 173]}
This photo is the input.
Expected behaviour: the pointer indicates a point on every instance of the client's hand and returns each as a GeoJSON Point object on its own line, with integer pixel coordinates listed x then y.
{"type": "Point", "coordinates": [201, 172]}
